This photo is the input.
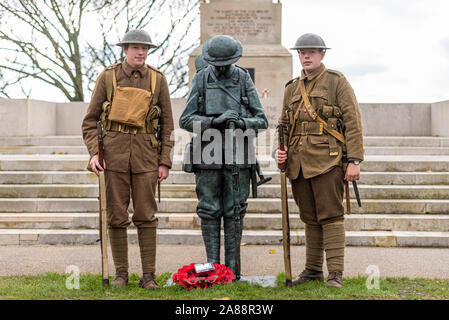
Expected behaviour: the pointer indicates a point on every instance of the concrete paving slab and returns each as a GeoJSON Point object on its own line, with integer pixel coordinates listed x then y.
{"type": "Point", "coordinates": [390, 262]}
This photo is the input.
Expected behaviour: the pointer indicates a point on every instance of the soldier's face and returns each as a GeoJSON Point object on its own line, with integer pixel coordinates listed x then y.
{"type": "Point", "coordinates": [136, 54]}
{"type": "Point", "coordinates": [222, 69]}
{"type": "Point", "coordinates": [310, 59]}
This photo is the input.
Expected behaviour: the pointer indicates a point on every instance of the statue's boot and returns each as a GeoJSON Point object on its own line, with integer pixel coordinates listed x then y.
{"type": "Point", "coordinates": [233, 240]}
{"type": "Point", "coordinates": [211, 237]}
{"type": "Point", "coordinates": [118, 238]}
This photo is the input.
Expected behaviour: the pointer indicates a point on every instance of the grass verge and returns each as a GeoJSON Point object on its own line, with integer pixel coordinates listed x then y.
{"type": "Point", "coordinates": [52, 286]}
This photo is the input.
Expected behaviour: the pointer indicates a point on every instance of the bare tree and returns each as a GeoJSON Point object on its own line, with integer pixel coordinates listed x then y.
{"type": "Point", "coordinates": [52, 51]}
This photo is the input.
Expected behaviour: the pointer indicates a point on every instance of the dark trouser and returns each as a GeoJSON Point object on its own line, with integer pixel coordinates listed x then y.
{"type": "Point", "coordinates": [141, 187]}
{"type": "Point", "coordinates": [120, 188]}
{"type": "Point", "coordinates": [320, 201]}
{"type": "Point", "coordinates": [214, 189]}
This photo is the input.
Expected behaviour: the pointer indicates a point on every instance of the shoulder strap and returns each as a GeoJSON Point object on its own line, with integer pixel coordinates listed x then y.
{"type": "Point", "coordinates": [312, 113]}
{"type": "Point", "coordinates": [155, 80]}
{"type": "Point", "coordinates": [332, 98]}
{"type": "Point", "coordinates": [201, 84]}
{"type": "Point", "coordinates": [243, 72]}
{"type": "Point", "coordinates": [110, 82]}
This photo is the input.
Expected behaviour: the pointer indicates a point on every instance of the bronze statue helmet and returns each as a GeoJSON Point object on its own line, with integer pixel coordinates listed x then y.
{"type": "Point", "coordinates": [222, 50]}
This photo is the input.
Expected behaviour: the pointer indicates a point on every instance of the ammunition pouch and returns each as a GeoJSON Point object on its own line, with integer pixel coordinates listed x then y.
{"type": "Point", "coordinates": [132, 110]}
{"type": "Point", "coordinates": [333, 115]}
{"type": "Point", "coordinates": [130, 106]}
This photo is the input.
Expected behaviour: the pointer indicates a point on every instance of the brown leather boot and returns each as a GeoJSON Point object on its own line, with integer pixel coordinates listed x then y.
{"type": "Point", "coordinates": [148, 281]}
{"type": "Point", "coordinates": [334, 279]}
{"type": "Point", "coordinates": [121, 279]}
{"type": "Point", "coordinates": [308, 275]}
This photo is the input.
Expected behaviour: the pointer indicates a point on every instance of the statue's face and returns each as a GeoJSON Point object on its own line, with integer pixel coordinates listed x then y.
{"type": "Point", "coordinates": [222, 69]}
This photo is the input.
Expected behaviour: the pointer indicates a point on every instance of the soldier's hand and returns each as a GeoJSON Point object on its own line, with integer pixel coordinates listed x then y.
{"type": "Point", "coordinates": [281, 155]}
{"type": "Point", "coordinates": [228, 115]}
{"type": "Point", "coordinates": [95, 165]}
{"type": "Point", "coordinates": [352, 172]}
{"type": "Point", "coordinates": [162, 173]}
{"type": "Point", "coordinates": [239, 124]}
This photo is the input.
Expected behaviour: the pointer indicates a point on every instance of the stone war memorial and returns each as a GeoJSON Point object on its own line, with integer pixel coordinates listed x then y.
{"type": "Point", "coordinates": [47, 197]}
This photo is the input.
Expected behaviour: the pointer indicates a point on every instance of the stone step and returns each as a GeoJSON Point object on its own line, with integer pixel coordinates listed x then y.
{"type": "Point", "coordinates": [253, 221]}
{"type": "Point", "coordinates": [48, 177]}
{"type": "Point", "coordinates": [43, 141]}
{"type": "Point", "coordinates": [188, 191]}
{"type": "Point", "coordinates": [398, 151]}
{"type": "Point", "coordinates": [261, 150]}
{"type": "Point", "coordinates": [43, 150]}
{"type": "Point", "coordinates": [79, 162]}
{"type": "Point", "coordinates": [251, 237]}
{"type": "Point", "coordinates": [369, 141]}
{"type": "Point", "coordinates": [398, 141]}
{"type": "Point", "coordinates": [183, 205]}
{"type": "Point", "coordinates": [180, 177]}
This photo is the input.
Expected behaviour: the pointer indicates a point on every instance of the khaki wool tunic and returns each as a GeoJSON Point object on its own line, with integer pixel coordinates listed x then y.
{"type": "Point", "coordinates": [125, 151]}
{"type": "Point", "coordinates": [310, 153]}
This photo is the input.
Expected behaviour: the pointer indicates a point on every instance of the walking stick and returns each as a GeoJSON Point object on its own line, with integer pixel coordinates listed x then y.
{"type": "Point", "coordinates": [285, 217]}
{"type": "Point", "coordinates": [102, 213]}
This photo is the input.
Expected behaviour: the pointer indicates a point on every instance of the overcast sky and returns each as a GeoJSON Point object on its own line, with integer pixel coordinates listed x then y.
{"type": "Point", "coordinates": [390, 50]}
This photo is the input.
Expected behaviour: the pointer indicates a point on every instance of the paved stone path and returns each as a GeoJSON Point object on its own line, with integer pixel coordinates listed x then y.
{"type": "Point", "coordinates": [257, 260]}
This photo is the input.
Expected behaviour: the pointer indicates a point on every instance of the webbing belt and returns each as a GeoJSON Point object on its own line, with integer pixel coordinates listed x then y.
{"type": "Point", "coordinates": [307, 127]}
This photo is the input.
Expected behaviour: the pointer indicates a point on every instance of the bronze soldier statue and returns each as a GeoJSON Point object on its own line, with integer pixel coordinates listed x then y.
{"type": "Point", "coordinates": [222, 99]}
{"type": "Point", "coordinates": [325, 148]}
{"type": "Point", "coordinates": [132, 101]}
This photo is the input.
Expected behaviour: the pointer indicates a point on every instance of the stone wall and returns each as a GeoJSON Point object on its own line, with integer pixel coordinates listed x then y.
{"type": "Point", "coordinates": [23, 117]}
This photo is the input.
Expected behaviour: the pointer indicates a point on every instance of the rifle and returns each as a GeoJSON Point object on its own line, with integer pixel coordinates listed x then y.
{"type": "Point", "coordinates": [285, 217]}
{"type": "Point", "coordinates": [257, 171]}
{"type": "Point", "coordinates": [159, 150]}
{"type": "Point", "coordinates": [235, 170]}
{"type": "Point", "coordinates": [102, 213]}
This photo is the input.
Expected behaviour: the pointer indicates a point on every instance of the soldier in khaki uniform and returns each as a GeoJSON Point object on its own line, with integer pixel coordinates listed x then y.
{"type": "Point", "coordinates": [321, 112]}
{"type": "Point", "coordinates": [132, 100]}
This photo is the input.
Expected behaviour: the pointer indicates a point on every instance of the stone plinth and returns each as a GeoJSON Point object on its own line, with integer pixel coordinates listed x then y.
{"type": "Point", "coordinates": [257, 25]}
{"type": "Point", "coordinates": [250, 21]}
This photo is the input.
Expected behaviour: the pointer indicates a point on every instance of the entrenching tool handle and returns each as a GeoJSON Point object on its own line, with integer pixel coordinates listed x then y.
{"type": "Point", "coordinates": [348, 200]}
{"type": "Point", "coordinates": [285, 217]}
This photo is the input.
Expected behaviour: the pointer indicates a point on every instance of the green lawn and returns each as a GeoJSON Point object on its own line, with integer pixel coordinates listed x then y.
{"type": "Point", "coordinates": [53, 286]}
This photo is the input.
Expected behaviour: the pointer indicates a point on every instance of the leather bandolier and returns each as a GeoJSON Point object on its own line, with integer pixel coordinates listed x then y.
{"type": "Point", "coordinates": [329, 122]}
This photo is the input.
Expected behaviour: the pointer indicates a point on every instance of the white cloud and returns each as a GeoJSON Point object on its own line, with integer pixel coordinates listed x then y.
{"type": "Point", "coordinates": [390, 50]}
